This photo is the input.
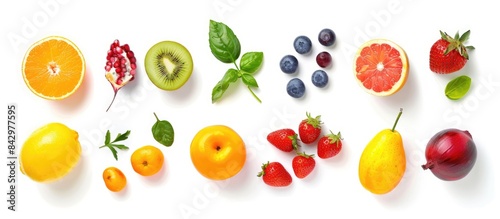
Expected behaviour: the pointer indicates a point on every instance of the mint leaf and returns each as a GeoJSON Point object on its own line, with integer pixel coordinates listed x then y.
{"type": "Point", "coordinates": [458, 87]}
{"type": "Point", "coordinates": [224, 44]}
{"type": "Point", "coordinates": [251, 61]}
{"type": "Point", "coordinates": [249, 80]}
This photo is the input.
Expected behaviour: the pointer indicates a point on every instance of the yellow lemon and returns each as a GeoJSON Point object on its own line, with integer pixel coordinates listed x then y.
{"type": "Point", "coordinates": [50, 153]}
{"type": "Point", "coordinates": [383, 161]}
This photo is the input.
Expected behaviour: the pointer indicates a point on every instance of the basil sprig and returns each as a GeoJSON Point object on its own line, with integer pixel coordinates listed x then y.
{"type": "Point", "coordinates": [226, 47]}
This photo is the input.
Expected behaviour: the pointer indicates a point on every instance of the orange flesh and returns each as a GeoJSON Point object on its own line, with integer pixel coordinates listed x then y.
{"type": "Point", "coordinates": [53, 68]}
{"type": "Point", "coordinates": [379, 67]}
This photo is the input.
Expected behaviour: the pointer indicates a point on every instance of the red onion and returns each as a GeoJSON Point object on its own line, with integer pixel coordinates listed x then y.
{"type": "Point", "coordinates": [450, 154]}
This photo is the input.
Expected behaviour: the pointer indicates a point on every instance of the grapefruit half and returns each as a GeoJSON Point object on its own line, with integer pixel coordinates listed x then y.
{"type": "Point", "coordinates": [381, 67]}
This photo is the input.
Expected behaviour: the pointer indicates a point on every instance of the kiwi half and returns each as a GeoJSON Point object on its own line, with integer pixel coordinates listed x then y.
{"type": "Point", "coordinates": [168, 65]}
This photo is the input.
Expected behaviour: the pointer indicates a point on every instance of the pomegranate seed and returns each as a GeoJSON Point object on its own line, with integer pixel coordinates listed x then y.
{"type": "Point", "coordinates": [130, 54]}
{"type": "Point", "coordinates": [132, 72]}
{"type": "Point", "coordinates": [107, 68]}
{"type": "Point", "coordinates": [116, 42]}
{"type": "Point", "coordinates": [132, 60]}
{"type": "Point", "coordinates": [116, 65]}
{"type": "Point", "coordinates": [123, 61]}
{"type": "Point", "coordinates": [118, 70]}
{"type": "Point", "coordinates": [118, 50]}
{"type": "Point", "coordinates": [133, 66]}
{"type": "Point", "coordinates": [126, 47]}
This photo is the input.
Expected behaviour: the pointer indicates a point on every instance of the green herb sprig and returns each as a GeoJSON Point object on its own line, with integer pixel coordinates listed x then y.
{"type": "Point", "coordinates": [112, 144]}
{"type": "Point", "coordinates": [226, 47]}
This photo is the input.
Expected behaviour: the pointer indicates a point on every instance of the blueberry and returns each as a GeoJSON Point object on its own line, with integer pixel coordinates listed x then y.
{"type": "Point", "coordinates": [319, 78]}
{"type": "Point", "coordinates": [289, 64]}
{"type": "Point", "coordinates": [296, 88]}
{"type": "Point", "coordinates": [326, 37]}
{"type": "Point", "coordinates": [302, 44]}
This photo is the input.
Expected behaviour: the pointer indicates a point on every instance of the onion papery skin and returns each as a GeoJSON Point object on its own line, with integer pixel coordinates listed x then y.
{"type": "Point", "coordinates": [450, 154]}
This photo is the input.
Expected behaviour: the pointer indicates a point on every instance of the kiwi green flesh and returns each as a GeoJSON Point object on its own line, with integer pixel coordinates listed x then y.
{"type": "Point", "coordinates": [168, 65]}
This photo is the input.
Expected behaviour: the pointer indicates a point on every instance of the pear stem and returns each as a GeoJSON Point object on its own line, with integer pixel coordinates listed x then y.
{"type": "Point", "coordinates": [397, 119]}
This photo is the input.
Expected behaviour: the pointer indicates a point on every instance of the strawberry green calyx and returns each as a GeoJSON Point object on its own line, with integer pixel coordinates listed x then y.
{"type": "Point", "coordinates": [303, 154]}
{"type": "Point", "coordinates": [457, 43]}
{"type": "Point", "coordinates": [295, 141]}
{"type": "Point", "coordinates": [314, 121]}
{"type": "Point", "coordinates": [264, 166]}
{"type": "Point", "coordinates": [334, 137]}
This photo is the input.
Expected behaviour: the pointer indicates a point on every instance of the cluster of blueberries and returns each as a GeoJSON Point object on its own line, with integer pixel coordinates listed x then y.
{"type": "Point", "coordinates": [302, 45]}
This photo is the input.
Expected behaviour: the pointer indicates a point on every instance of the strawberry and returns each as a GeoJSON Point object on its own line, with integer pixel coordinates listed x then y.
{"type": "Point", "coordinates": [284, 139]}
{"type": "Point", "coordinates": [310, 129]}
{"type": "Point", "coordinates": [303, 164]}
{"type": "Point", "coordinates": [449, 54]}
{"type": "Point", "coordinates": [274, 174]}
{"type": "Point", "coordinates": [329, 145]}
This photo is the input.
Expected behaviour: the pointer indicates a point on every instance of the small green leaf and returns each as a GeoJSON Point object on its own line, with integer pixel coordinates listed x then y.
{"type": "Point", "coordinates": [251, 61]}
{"type": "Point", "coordinates": [224, 44]}
{"type": "Point", "coordinates": [231, 76]}
{"type": "Point", "coordinates": [121, 137]}
{"type": "Point", "coordinates": [458, 87]}
{"type": "Point", "coordinates": [119, 146]}
{"type": "Point", "coordinates": [108, 138]}
{"type": "Point", "coordinates": [113, 150]}
{"type": "Point", "coordinates": [249, 80]}
{"type": "Point", "coordinates": [163, 132]}
{"type": "Point", "coordinates": [218, 91]}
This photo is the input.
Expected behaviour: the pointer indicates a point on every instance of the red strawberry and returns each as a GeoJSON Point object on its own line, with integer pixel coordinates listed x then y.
{"type": "Point", "coordinates": [274, 174]}
{"type": "Point", "coordinates": [310, 129]}
{"type": "Point", "coordinates": [283, 139]}
{"type": "Point", "coordinates": [303, 165]}
{"type": "Point", "coordinates": [449, 54]}
{"type": "Point", "coordinates": [329, 145]}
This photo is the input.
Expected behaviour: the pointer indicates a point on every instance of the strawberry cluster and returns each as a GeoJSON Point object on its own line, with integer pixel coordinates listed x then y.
{"type": "Point", "coordinates": [287, 140]}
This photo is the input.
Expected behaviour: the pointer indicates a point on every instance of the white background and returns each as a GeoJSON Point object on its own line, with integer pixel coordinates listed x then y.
{"type": "Point", "coordinates": [333, 189]}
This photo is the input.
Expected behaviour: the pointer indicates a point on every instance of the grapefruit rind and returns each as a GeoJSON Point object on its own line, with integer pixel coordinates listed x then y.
{"type": "Point", "coordinates": [82, 74]}
{"type": "Point", "coordinates": [404, 71]}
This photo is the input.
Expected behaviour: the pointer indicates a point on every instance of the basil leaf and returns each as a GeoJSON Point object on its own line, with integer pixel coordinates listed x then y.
{"type": "Point", "coordinates": [224, 44]}
{"type": "Point", "coordinates": [231, 76]}
{"type": "Point", "coordinates": [251, 61]}
{"type": "Point", "coordinates": [458, 87]}
{"type": "Point", "coordinates": [163, 132]}
{"type": "Point", "coordinates": [249, 80]}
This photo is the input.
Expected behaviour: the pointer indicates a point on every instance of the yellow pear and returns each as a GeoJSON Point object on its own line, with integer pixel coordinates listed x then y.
{"type": "Point", "coordinates": [383, 161]}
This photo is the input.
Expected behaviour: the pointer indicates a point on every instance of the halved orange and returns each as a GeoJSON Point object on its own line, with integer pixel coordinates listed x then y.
{"type": "Point", "coordinates": [53, 68]}
{"type": "Point", "coordinates": [381, 67]}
